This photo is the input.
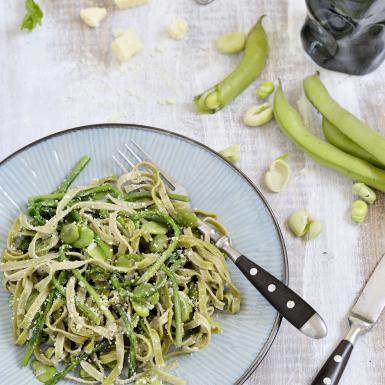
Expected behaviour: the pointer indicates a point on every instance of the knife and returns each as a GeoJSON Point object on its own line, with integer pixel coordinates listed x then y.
{"type": "Point", "coordinates": [363, 315]}
{"type": "Point", "coordinates": [288, 303]}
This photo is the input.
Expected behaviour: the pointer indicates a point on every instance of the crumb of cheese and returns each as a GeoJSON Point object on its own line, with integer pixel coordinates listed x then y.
{"type": "Point", "coordinates": [93, 16]}
{"type": "Point", "coordinates": [178, 28]}
{"type": "Point", "coordinates": [126, 45]}
{"type": "Point", "coordinates": [122, 4]}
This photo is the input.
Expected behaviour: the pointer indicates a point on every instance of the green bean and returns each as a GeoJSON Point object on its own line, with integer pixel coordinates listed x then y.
{"type": "Point", "coordinates": [152, 214]}
{"type": "Point", "coordinates": [177, 306]}
{"type": "Point", "coordinates": [340, 140]}
{"type": "Point", "coordinates": [73, 174]}
{"type": "Point", "coordinates": [356, 130]}
{"type": "Point", "coordinates": [324, 153]}
{"type": "Point", "coordinates": [247, 71]}
{"type": "Point", "coordinates": [147, 194]}
{"type": "Point", "coordinates": [95, 296]}
{"type": "Point", "coordinates": [101, 347]}
{"type": "Point", "coordinates": [131, 336]}
{"type": "Point", "coordinates": [83, 308]}
{"type": "Point", "coordinates": [34, 340]}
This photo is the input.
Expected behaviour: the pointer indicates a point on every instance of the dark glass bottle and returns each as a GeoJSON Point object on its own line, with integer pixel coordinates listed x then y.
{"type": "Point", "coordinates": [345, 35]}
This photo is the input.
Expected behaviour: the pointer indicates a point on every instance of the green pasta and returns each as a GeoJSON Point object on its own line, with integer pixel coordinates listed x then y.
{"type": "Point", "coordinates": [110, 274]}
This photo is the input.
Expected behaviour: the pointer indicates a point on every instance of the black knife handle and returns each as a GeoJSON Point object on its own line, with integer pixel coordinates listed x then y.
{"type": "Point", "coordinates": [331, 372]}
{"type": "Point", "coordinates": [286, 301]}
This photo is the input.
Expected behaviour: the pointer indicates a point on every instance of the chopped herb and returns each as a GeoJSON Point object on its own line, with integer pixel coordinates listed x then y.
{"type": "Point", "coordinates": [33, 15]}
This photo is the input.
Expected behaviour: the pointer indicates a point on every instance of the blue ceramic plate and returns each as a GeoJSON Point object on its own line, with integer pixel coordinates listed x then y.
{"type": "Point", "coordinates": [214, 185]}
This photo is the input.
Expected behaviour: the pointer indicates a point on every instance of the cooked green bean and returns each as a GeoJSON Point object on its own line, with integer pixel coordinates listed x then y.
{"type": "Point", "coordinates": [356, 130]}
{"type": "Point", "coordinates": [324, 153]}
{"type": "Point", "coordinates": [340, 140]}
{"type": "Point", "coordinates": [73, 174]}
{"type": "Point", "coordinates": [249, 68]}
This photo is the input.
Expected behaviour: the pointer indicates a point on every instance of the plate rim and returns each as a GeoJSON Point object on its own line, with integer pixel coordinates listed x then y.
{"type": "Point", "coordinates": [278, 320]}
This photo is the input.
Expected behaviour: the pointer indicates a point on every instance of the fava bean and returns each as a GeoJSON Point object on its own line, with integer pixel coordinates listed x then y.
{"type": "Point", "coordinates": [298, 222]}
{"type": "Point", "coordinates": [277, 177]}
{"type": "Point", "coordinates": [301, 223]}
{"type": "Point", "coordinates": [324, 153]}
{"type": "Point", "coordinates": [249, 68]}
{"type": "Point", "coordinates": [334, 136]}
{"type": "Point", "coordinates": [355, 129]}
{"type": "Point", "coordinates": [258, 115]}
{"type": "Point", "coordinates": [265, 90]}
{"type": "Point", "coordinates": [231, 42]}
{"type": "Point", "coordinates": [364, 192]}
{"type": "Point", "coordinates": [359, 211]}
{"type": "Point", "coordinates": [231, 153]}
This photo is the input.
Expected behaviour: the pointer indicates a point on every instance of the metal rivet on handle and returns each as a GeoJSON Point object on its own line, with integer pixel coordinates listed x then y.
{"type": "Point", "coordinates": [337, 358]}
{"type": "Point", "coordinates": [290, 304]}
{"type": "Point", "coordinates": [271, 288]}
{"type": "Point", "coordinates": [253, 271]}
{"type": "Point", "coordinates": [327, 381]}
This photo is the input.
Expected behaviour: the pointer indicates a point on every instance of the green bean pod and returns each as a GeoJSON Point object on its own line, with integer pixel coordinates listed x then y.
{"type": "Point", "coordinates": [340, 140]}
{"type": "Point", "coordinates": [247, 71]}
{"type": "Point", "coordinates": [355, 129]}
{"type": "Point", "coordinates": [324, 153]}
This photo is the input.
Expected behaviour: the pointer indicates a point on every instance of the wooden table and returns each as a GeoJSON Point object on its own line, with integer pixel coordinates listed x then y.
{"type": "Point", "coordinates": [63, 75]}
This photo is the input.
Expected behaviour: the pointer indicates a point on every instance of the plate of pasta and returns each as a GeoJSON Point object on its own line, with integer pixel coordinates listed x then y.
{"type": "Point", "coordinates": [106, 279]}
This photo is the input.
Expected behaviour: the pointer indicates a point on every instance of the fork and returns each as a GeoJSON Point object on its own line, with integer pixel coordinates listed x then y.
{"type": "Point", "coordinates": [288, 303]}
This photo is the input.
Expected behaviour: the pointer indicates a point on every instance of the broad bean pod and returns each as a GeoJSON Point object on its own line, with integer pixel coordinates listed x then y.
{"type": "Point", "coordinates": [324, 153]}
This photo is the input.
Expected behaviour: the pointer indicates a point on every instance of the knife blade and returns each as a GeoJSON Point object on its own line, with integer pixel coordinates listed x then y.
{"type": "Point", "coordinates": [363, 315]}
{"type": "Point", "coordinates": [371, 301]}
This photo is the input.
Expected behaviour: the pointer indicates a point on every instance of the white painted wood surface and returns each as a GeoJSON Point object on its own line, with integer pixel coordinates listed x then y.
{"type": "Point", "coordinates": [62, 75]}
